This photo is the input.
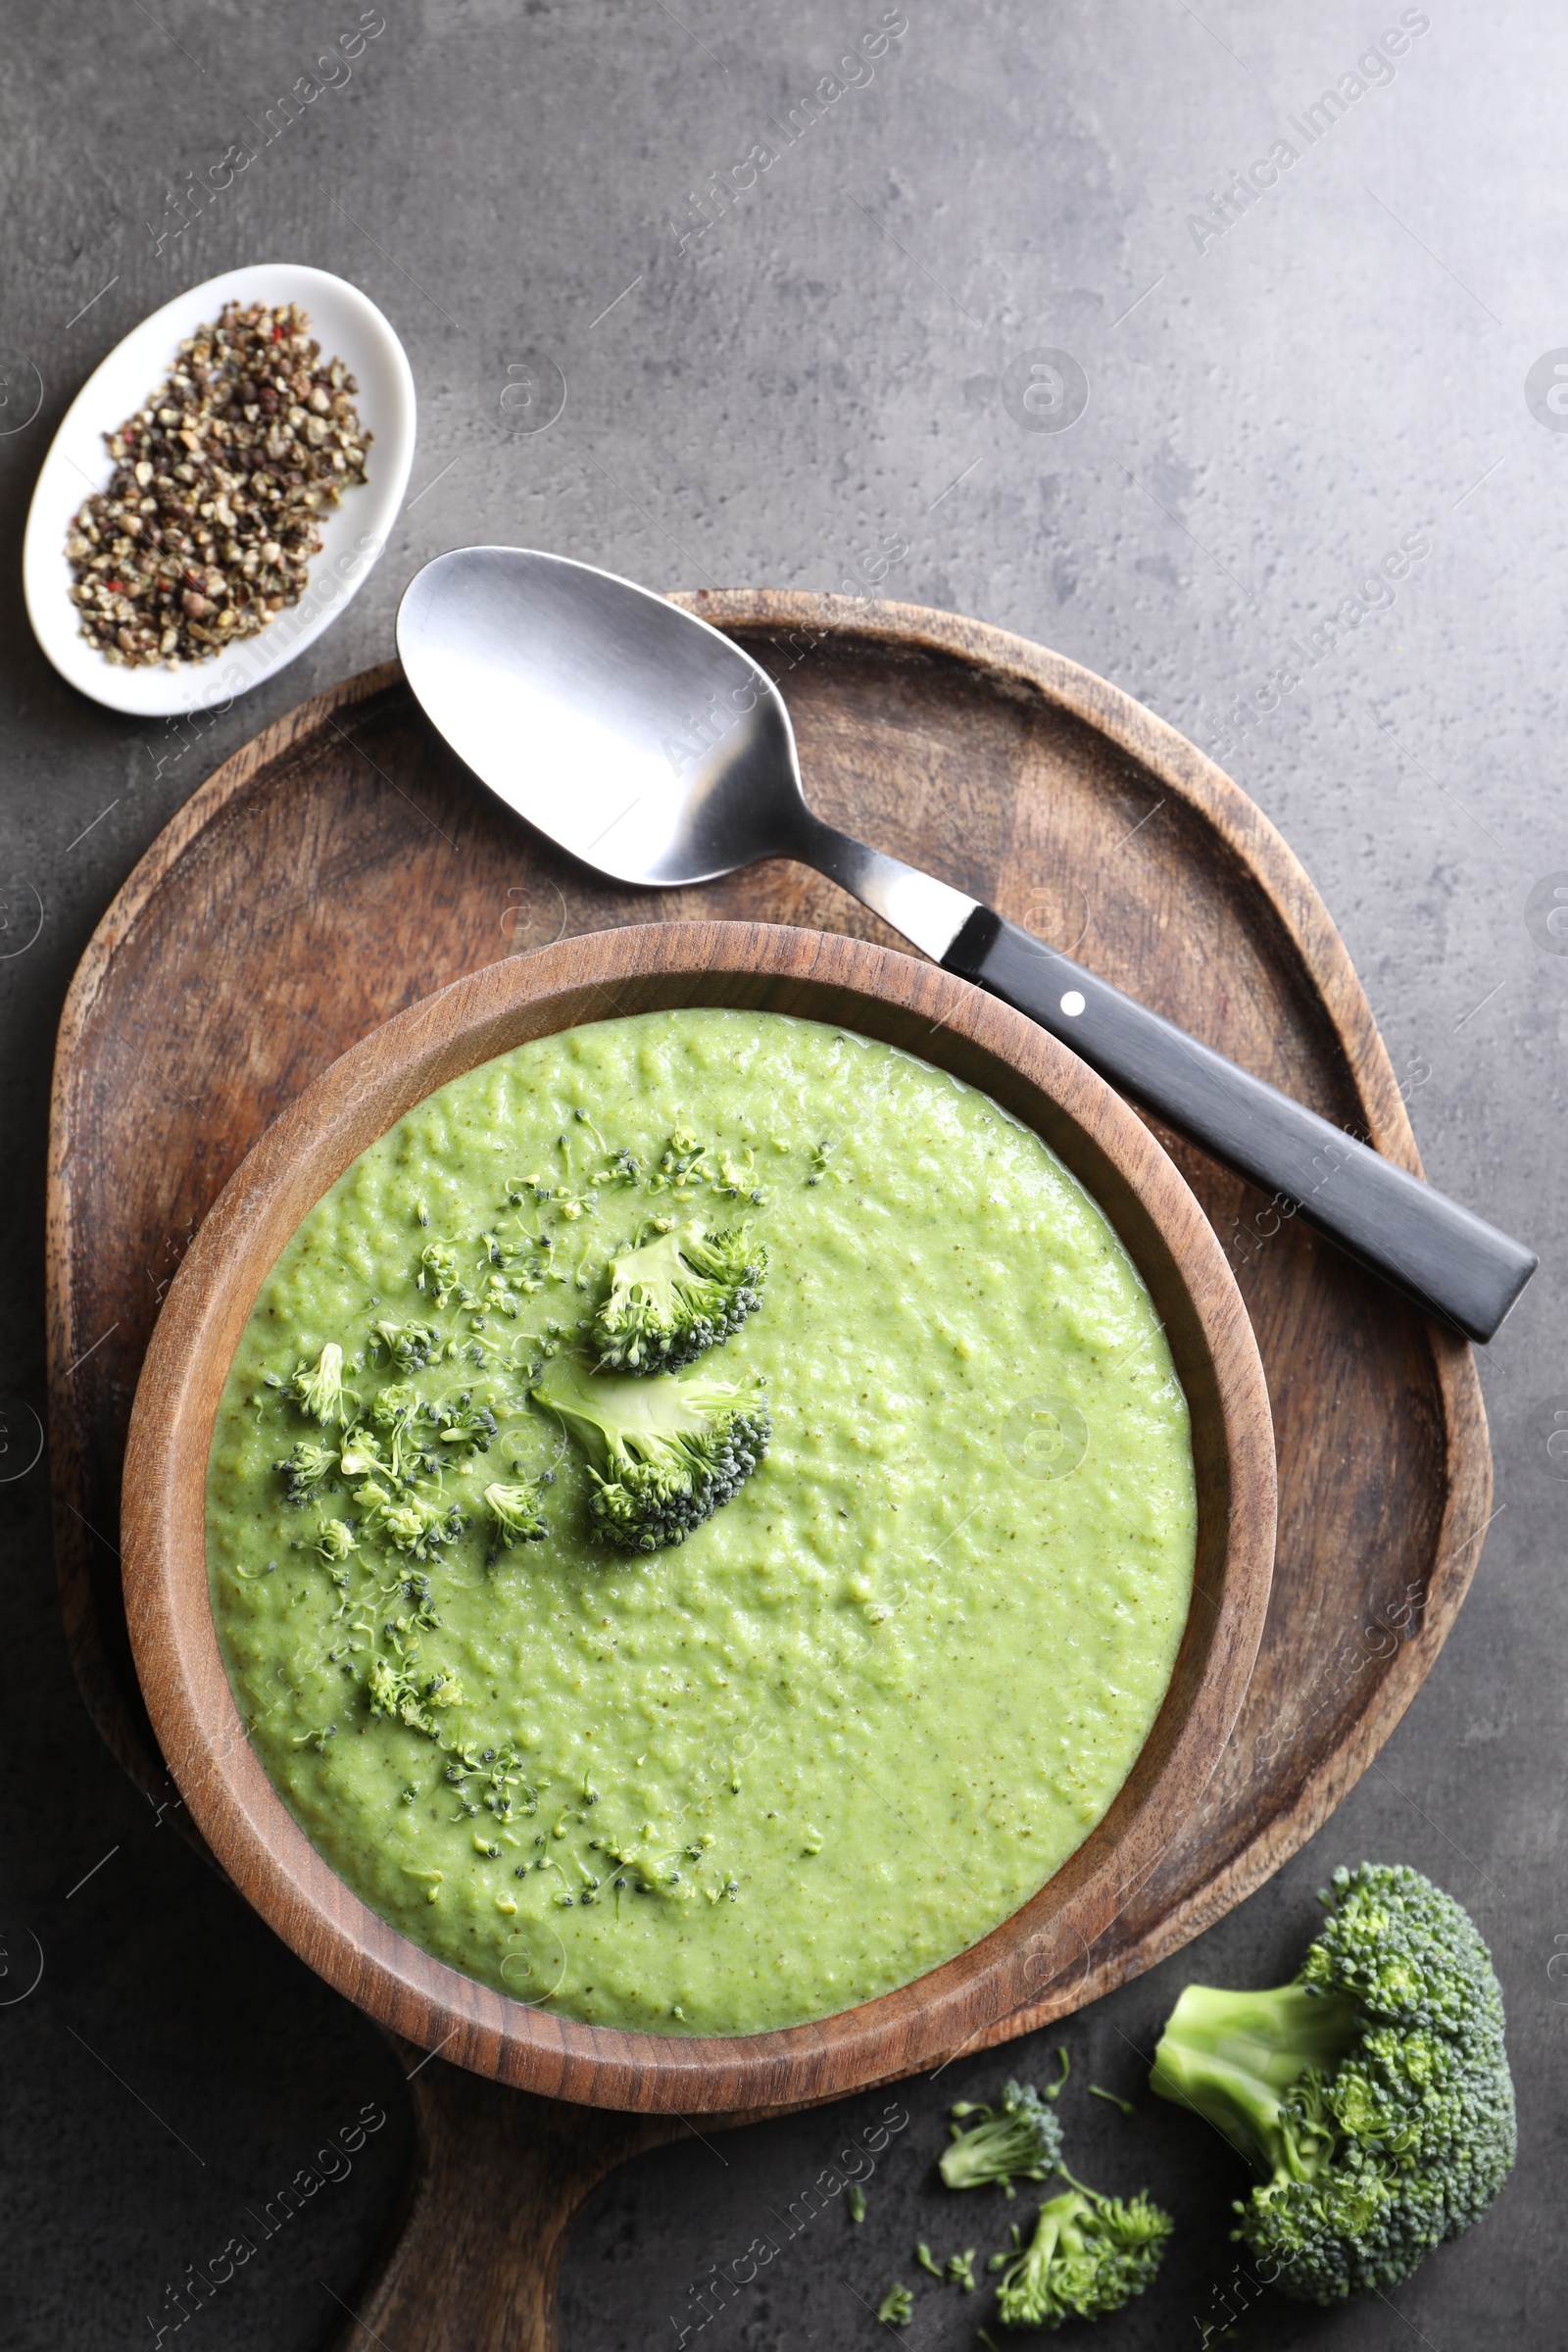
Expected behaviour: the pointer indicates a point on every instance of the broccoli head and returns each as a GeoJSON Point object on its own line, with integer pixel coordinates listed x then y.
{"type": "Point", "coordinates": [663, 1455]}
{"type": "Point", "coordinates": [1372, 2095]}
{"type": "Point", "coordinates": [676, 1296]}
{"type": "Point", "coordinates": [1089, 2255]}
{"type": "Point", "coordinates": [1019, 2140]}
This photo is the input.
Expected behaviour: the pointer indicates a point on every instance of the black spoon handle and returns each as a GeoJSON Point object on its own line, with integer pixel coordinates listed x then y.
{"type": "Point", "coordinates": [1452, 1263]}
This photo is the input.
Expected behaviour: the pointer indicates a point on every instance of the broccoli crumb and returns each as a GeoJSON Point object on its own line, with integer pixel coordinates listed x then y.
{"type": "Point", "coordinates": [957, 2271]}
{"type": "Point", "coordinates": [1087, 2257]}
{"type": "Point", "coordinates": [1019, 2139]}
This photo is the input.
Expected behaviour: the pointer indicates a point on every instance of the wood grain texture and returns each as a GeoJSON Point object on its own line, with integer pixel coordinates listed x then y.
{"type": "Point", "coordinates": [341, 865]}
{"type": "Point", "coordinates": [642, 968]}
{"type": "Point", "coordinates": [472, 2258]}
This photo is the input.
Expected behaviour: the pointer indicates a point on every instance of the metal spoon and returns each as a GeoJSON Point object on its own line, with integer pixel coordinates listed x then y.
{"type": "Point", "coordinates": [649, 746]}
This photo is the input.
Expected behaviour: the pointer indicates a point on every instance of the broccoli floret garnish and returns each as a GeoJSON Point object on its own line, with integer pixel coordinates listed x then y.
{"type": "Point", "coordinates": [1089, 2255]}
{"type": "Point", "coordinates": [438, 1271]}
{"type": "Point", "coordinates": [664, 1453]}
{"type": "Point", "coordinates": [318, 1387]}
{"type": "Point", "coordinates": [675, 1296]}
{"type": "Point", "coordinates": [410, 1346]}
{"type": "Point", "coordinates": [501, 1772]}
{"type": "Point", "coordinates": [1372, 2095]}
{"type": "Point", "coordinates": [1019, 2140]}
{"type": "Point", "coordinates": [305, 1468]}
{"type": "Point", "coordinates": [517, 1514]}
{"type": "Point", "coordinates": [394, 1691]}
{"type": "Point", "coordinates": [395, 1404]}
{"type": "Point", "coordinates": [464, 1425]}
{"type": "Point", "coordinates": [361, 1456]}
{"type": "Point", "coordinates": [421, 1614]}
{"type": "Point", "coordinates": [413, 1522]}
{"type": "Point", "coordinates": [682, 1155]}
{"type": "Point", "coordinates": [335, 1539]}
{"type": "Point", "coordinates": [499, 1298]}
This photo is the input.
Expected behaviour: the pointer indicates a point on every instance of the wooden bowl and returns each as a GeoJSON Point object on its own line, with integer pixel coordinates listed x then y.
{"type": "Point", "coordinates": [823, 977]}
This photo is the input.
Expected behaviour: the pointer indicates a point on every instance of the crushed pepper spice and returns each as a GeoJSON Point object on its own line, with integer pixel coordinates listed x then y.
{"type": "Point", "coordinates": [208, 526]}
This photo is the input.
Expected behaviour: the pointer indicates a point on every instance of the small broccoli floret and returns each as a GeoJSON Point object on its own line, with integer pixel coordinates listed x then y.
{"type": "Point", "coordinates": [517, 1514]}
{"type": "Point", "coordinates": [335, 1539]}
{"type": "Point", "coordinates": [396, 1403]}
{"type": "Point", "coordinates": [665, 1453]}
{"type": "Point", "coordinates": [413, 1522]}
{"type": "Point", "coordinates": [1089, 2255]}
{"type": "Point", "coordinates": [1019, 2140]}
{"type": "Point", "coordinates": [318, 1387]}
{"type": "Point", "coordinates": [394, 1691]}
{"type": "Point", "coordinates": [361, 1454]}
{"type": "Point", "coordinates": [410, 1346]}
{"type": "Point", "coordinates": [1372, 2095]}
{"type": "Point", "coordinates": [305, 1468]}
{"type": "Point", "coordinates": [438, 1271]}
{"type": "Point", "coordinates": [676, 1296]}
{"type": "Point", "coordinates": [897, 2307]}
{"type": "Point", "coordinates": [463, 1426]}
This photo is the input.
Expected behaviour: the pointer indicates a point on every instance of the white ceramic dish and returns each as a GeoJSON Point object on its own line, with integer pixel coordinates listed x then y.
{"type": "Point", "coordinates": [348, 327]}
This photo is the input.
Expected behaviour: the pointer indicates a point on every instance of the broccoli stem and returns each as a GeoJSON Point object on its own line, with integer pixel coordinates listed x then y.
{"type": "Point", "coordinates": [1235, 2057]}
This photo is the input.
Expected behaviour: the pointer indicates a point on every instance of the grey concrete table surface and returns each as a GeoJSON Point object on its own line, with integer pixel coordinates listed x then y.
{"type": "Point", "coordinates": [774, 370]}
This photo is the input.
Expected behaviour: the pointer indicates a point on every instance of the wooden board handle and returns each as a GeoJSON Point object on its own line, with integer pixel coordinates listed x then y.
{"type": "Point", "coordinates": [472, 2261]}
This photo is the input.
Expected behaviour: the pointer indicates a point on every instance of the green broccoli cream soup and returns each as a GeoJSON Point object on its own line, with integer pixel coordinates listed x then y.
{"type": "Point", "coordinates": [701, 1521]}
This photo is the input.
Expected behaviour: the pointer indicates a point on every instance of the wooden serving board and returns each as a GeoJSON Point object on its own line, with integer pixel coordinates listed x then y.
{"type": "Point", "coordinates": [343, 865]}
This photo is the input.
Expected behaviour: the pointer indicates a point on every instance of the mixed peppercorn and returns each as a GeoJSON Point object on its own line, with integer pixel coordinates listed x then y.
{"type": "Point", "coordinates": [208, 526]}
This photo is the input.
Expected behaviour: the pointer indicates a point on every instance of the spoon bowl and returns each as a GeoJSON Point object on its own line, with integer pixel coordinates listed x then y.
{"type": "Point", "coordinates": [676, 757]}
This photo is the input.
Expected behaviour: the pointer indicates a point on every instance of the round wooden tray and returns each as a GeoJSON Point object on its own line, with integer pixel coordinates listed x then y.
{"type": "Point", "coordinates": [343, 865]}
